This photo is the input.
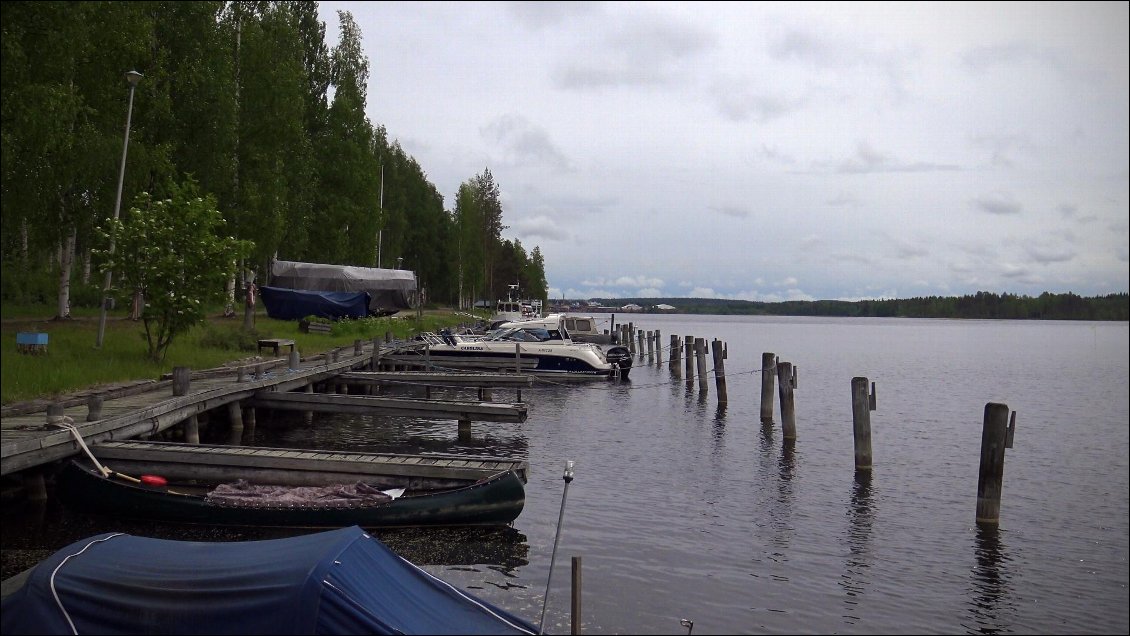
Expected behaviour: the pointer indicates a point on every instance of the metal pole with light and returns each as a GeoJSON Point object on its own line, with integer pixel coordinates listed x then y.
{"type": "Point", "coordinates": [133, 77]}
{"type": "Point", "coordinates": [568, 477]}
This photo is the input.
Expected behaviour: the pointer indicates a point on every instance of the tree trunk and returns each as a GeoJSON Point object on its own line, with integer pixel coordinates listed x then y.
{"type": "Point", "coordinates": [66, 261]}
{"type": "Point", "coordinates": [23, 242]}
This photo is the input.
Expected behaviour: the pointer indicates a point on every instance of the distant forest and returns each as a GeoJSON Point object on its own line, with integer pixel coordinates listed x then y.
{"type": "Point", "coordinates": [988, 305]}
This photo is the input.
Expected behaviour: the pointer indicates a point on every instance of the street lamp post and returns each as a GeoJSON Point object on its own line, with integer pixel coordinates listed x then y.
{"type": "Point", "coordinates": [133, 77]}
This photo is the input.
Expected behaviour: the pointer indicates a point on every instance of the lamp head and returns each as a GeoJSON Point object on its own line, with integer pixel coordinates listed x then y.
{"type": "Point", "coordinates": [568, 476]}
{"type": "Point", "coordinates": [133, 77]}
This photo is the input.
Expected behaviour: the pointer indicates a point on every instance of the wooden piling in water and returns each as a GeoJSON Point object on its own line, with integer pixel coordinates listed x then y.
{"type": "Point", "coordinates": [658, 350]}
{"type": "Point", "coordinates": [688, 353]}
{"type": "Point", "coordinates": [675, 362]}
{"type": "Point", "coordinates": [719, 370]}
{"type": "Point", "coordinates": [990, 478]}
{"type": "Point", "coordinates": [575, 604]}
{"type": "Point", "coordinates": [768, 368]}
{"type": "Point", "coordinates": [785, 390]}
{"type": "Point", "coordinates": [861, 423]}
{"type": "Point", "coordinates": [700, 356]}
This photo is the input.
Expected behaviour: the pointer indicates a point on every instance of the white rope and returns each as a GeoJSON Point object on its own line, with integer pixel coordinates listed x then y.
{"type": "Point", "coordinates": [55, 592]}
{"type": "Point", "coordinates": [65, 421]}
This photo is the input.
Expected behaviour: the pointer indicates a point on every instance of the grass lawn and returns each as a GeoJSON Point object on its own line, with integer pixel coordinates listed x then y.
{"type": "Point", "coordinates": [71, 361]}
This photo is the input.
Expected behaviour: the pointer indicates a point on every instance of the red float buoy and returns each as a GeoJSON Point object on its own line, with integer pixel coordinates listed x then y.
{"type": "Point", "coordinates": [154, 480]}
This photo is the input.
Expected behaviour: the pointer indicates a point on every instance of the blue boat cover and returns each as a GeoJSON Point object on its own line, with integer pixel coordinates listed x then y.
{"type": "Point", "coordinates": [295, 304]}
{"type": "Point", "coordinates": [337, 582]}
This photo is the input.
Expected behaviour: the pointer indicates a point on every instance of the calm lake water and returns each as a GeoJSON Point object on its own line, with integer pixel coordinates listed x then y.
{"type": "Point", "coordinates": [684, 509]}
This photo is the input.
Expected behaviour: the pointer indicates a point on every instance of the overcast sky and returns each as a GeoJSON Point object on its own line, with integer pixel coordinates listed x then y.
{"type": "Point", "coordinates": [774, 151]}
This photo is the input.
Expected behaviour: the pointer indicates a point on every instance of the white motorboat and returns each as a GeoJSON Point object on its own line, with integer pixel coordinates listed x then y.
{"type": "Point", "coordinates": [541, 346]}
{"type": "Point", "coordinates": [511, 309]}
{"type": "Point", "coordinates": [587, 329]}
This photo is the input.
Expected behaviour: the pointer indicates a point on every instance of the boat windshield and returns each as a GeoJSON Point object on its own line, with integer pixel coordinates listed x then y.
{"type": "Point", "coordinates": [524, 334]}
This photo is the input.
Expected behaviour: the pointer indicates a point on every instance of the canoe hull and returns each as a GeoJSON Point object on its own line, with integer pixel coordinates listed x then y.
{"type": "Point", "coordinates": [495, 501]}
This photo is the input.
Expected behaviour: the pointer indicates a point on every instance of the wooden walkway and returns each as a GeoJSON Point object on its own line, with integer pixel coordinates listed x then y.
{"type": "Point", "coordinates": [27, 441]}
{"type": "Point", "coordinates": [175, 460]}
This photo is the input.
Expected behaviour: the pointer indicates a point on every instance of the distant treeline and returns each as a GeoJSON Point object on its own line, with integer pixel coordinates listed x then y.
{"type": "Point", "coordinates": [1046, 306]}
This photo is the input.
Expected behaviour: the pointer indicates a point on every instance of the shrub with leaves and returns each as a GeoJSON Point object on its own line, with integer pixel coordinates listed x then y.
{"type": "Point", "coordinates": [177, 253]}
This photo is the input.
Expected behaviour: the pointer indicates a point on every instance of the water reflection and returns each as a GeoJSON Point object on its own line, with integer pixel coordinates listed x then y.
{"type": "Point", "coordinates": [990, 607]}
{"type": "Point", "coordinates": [861, 517]}
{"type": "Point", "coordinates": [504, 549]}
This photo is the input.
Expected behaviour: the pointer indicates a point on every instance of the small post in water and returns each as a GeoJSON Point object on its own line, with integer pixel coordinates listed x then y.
{"type": "Point", "coordinates": [688, 349]}
{"type": "Point", "coordinates": [861, 423]}
{"type": "Point", "coordinates": [768, 368]}
{"type": "Point", "coordinates": [700, 355]}
{"type": "Point", "coordinates": [575, 608]}
{"type": "Point", "coordinates": [995, 436]}
{"type": "Point", "coordinates": [719, 370]}
{"type": "Point", "coordinates": [676, 367]}
{"type": "Point", "coordinates": [785, 389]}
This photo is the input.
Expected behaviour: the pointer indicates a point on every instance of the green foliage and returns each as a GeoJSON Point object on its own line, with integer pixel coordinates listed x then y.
{"type": "Point", "coordinates": [234, 95]}
{"type": "Point", "coordinates": [228, 337]}
{"type": "Point", "coordinates": [176, 253]}
{"type": "Point", "coordinates": [71, 364]}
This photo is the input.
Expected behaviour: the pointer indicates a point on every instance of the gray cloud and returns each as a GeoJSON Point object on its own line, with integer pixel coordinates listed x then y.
{"type": "Point", "coordinates": [998, 204]}
{"type": "Point", "coordinates": [542, 15]}
{"type": "Point", "coordinates": [867, 160]}
{"type": "Point", "coordinates": [540, 227]}
{"type": "Point", "coordinates": [1047, 254]}
{"type": "Point", "coordinates": [650, 52]}
{"type": "Point", "coordinates": [524, 143]}
{"type": "Point", "coordinates": [737, 104]}
{"type": "Point", "coordinates": [731, 210]}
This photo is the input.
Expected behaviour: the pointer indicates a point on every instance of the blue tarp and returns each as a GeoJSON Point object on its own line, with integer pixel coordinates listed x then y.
{"type": "Point", "coordinates": [295, 304]}
{"type": "Point", "coordinates": [337, 582]}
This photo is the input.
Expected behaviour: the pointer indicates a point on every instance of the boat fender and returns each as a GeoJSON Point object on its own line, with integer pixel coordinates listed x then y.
{"type": "Point", "coordinates": [154, 480]}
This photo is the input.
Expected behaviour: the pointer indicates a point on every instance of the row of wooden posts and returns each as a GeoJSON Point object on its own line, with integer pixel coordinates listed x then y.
{"type": "Point", "coordinates": [997, 431]}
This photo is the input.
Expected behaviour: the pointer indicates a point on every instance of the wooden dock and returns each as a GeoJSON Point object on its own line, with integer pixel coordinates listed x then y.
{"type": "Point", "coordinates": [28, 441]}
{"type": "Point", "coordinates": [179, 461]}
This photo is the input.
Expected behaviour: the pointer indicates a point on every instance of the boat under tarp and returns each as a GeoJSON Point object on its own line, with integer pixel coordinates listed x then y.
{"type": "Point", "coordinates": [390, 290]}
{"type": "Point", "coordinates": [342, 581]}
{"type": "Point", "coordinates": [296, 304]}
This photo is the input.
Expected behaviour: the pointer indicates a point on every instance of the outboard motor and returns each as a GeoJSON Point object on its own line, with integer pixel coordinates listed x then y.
{"type": "Point", "coordinates": [621, 357]}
